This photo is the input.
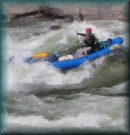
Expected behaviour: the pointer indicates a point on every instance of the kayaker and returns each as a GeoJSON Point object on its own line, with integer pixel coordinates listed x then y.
{"type": "Point", "coordinates": [90, 42]}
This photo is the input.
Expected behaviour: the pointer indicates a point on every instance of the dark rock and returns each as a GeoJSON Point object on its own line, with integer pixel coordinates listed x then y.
{"type": "Point", "coordinates": [16, 16]}
{"type": "Point", "coordinates": [55, 27]}
{"type": "Point", "coordinates": [51, 12]}
{"type": "Point", "coordinates": [81, 17]}
{"type": "Point", "coordinates": [62, 12]}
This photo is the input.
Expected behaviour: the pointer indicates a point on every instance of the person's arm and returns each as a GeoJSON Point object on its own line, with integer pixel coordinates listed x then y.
{"type": "Point", "coordinates": [82, 34]}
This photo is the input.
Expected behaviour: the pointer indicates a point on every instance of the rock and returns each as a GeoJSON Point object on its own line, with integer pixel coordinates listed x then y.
{"type": "Point", "coordinates": [81, 17]}
{"type": "Point", "coordinates": [55, 27]}
{"type": "Point", "coordinates": [62, 12]}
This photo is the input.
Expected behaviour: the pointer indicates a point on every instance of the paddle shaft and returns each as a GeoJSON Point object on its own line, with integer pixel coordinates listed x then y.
{"type": "Point", "coordinates": [79, 37]}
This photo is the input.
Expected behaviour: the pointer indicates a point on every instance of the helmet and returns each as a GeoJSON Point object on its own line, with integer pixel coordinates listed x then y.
{"type": "Point", "coordinates": [89, 30]}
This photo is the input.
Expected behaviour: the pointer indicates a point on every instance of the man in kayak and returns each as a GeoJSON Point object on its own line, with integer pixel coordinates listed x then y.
{"type": "Point", "coordinates": [90, 42]}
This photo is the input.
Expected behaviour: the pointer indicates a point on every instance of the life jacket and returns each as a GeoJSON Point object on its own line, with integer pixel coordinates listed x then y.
{"type": "Point", "coordinates": [96, 39]}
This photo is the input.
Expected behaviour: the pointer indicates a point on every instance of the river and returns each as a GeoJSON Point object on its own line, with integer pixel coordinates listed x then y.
{"type": "Point", "coordinates": [42, 99]}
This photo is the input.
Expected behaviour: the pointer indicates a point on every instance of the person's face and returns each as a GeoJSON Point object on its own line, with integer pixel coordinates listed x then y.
{"type": "Point", "coordinates": [87, 32]}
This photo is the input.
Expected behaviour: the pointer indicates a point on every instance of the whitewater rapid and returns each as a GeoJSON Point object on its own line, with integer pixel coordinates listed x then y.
{"type": "Point", "coordinates": [41, 97]}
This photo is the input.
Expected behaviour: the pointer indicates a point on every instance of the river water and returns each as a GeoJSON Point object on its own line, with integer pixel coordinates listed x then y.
{"type": "Point", "coordinates": [42, 99]}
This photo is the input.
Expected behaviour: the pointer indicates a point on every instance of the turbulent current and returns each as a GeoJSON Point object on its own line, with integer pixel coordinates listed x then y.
{"type": "Point", "coordinates": [42, 99]}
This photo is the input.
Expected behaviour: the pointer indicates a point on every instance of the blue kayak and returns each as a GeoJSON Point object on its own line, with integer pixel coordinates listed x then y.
{"type": "Point", "coordinates": [73, 63]}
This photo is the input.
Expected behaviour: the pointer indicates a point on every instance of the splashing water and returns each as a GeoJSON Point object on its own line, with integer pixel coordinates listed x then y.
{"type": "Point", "coordinates": [43, 97]}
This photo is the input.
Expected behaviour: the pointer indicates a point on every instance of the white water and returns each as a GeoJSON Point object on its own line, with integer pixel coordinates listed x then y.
{"type": "Point", "coordinates": [96, 111]}
{"type": "Point", "coordinates": [77, 109]}
{"type": "Point", "coordinates": [27, 47]}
